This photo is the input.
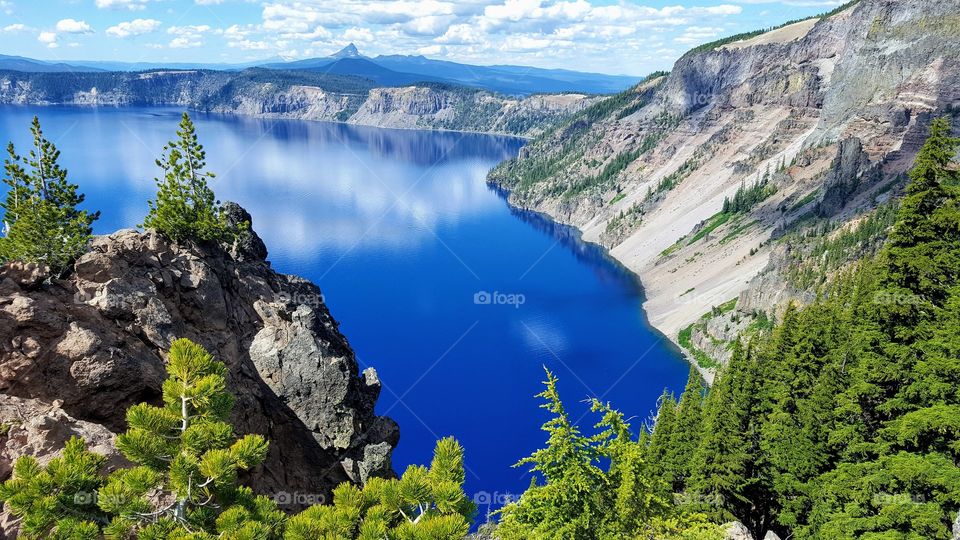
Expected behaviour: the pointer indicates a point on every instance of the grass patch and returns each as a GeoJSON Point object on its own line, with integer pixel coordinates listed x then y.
{"type": "Point", "coordinates": [618, 198]}
{"type": "Point", "coordinates": [809, 198]}
{"type": "Point", "coordinates": [685, 338]}
{"type": "Point", "coordinates": [712, 224]}
{"type": "Point", "coordinates": [724, 308]}
{"type": "Point", "coordinates": [737, 231]}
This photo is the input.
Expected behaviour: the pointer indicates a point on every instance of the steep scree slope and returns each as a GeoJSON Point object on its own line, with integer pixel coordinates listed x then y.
{"type": "Point", "coordinates": [825, 120]}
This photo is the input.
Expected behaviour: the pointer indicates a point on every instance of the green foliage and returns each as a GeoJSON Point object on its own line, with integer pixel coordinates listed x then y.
{"type": "Point", "coordinates": [595, 486]}
{"type": "Point", "coordinates": [42, 220]}
{"type": "Point", "coordinates": [187, 451]}
{"type": "Point", "coordinates": [183, 484]}
{"type": "Point", "coordinates": [185, 207]}
{"type": "Point", "coordinates": [425, 503]}
{"type": "Point", "coordinates": [685, 340]}
{"type": "Point", "coordinates": [842, 422]}
{"type": "Point", "coordinates": [56, 501]}
{"type": "Point", "coordinates": [184, 480]}
{"type": "Point", "coordinates": [811, 265]}
{"type": "Point", "coordinates": [747, 197]}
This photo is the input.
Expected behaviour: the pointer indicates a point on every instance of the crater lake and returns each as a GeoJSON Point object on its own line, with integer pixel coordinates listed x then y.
{"type": "Point", "coordinates": [458, 300]}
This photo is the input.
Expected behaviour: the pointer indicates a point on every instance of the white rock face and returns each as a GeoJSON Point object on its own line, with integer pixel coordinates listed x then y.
{"type": "Point", "coordinates": [832, 110]}
{"type": "Point", "coordinates": [737, 531]}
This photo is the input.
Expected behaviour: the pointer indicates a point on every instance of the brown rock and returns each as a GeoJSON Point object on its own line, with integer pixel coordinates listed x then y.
{"type": "Point", "coordinates": [95, 343]}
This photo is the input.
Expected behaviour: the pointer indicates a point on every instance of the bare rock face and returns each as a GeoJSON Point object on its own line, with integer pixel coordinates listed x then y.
{"type": "Point", "coordinates": [83, 349]}
{"type": "Point", "coordinates": [33, 427]}
{"type": "Point", "coordinates": [737, 531]}
{"type": "Point", "coordinates": [36, 428]}
{"type": "Point", "coordinates": [832, 110]}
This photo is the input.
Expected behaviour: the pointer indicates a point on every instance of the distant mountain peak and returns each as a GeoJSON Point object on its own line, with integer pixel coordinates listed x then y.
{"type": "Point", "coordinates": [350, 51]}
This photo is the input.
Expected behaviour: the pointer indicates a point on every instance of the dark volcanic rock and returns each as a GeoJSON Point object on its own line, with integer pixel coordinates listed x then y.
{"type": "Point", "coordinates": [844, 176]}
{"type": "Point", "coordinates": [94, 344]}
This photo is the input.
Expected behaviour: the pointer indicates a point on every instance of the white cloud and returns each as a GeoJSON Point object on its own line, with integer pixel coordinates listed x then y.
{"type": "Point", "coordinates": [187, 37]}
{"type": "Point", "coordinates": [362, 35]}
{"type": "Point", "coordinates": [136, 27]}
{"type": "Point", "coordinates": [49, 38]}
{"type": "Point", "coordinates": [131, 5]}
{"type": "Point", "coordinates": [16, 28]}
{"type": "Point", "coordinates": [73, 26]}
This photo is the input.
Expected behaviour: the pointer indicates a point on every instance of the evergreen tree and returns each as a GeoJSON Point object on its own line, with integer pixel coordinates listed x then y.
{"type": "Point", "coordinates": [422, 504]}
{"type": "Point", "coordinates": [186, 207]}
{"type": "Point", "coordinates": [187, 451]}
{"type": "Point", "coordinates": [597, 487]}
{"type": "Point", "coordinates": [184, 484]}
{"type": "Point", "coordinates": [843, 423]}
{"type": "Point", "coordinates": [57, 501]}
{"type": "Point", "coordinates": [42, 220]}
{"type": "Point", "coordinates": [567, 505]}
{"type": "Point", "coordinates": [905, 479]}
{"type": "Point", "coordinates": [731, 476]}
{"type": "Point", "coordinates": [688, 431]}
{"type": "Point", "coordinates": [659, 451]}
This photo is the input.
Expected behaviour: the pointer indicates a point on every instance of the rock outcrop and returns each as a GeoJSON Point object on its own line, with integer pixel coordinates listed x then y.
{"type": "Point", "coordinates": [76, 352]}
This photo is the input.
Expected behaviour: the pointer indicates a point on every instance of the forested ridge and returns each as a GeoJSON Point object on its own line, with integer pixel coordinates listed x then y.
{"type": "Point", "coordinates": [844, 421]}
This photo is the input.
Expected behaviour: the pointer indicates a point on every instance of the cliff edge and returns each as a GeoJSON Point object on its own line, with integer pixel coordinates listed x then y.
{"type": "Point", "coordinates": [76, 352]}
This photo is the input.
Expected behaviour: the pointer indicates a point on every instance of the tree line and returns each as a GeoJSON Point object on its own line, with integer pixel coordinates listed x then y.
{"type": "Point", "coordinates": [844, 421]}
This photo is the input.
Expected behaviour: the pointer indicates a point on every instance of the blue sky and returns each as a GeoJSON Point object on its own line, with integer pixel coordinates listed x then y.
{"type": "Point", "coordinates": [628, 37]}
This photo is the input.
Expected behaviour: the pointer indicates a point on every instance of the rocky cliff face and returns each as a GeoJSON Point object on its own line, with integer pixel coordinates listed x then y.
{"type": "Point", "coordinates": [76, 352]}
{"type": "Point", "coordinates": [827, 114]}
{"type": "Point", "coordinates": [303, 96]}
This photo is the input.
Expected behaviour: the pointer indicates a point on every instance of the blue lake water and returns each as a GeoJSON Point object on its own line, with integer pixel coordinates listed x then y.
{"type": "Point", "coordinates": [409, 245]}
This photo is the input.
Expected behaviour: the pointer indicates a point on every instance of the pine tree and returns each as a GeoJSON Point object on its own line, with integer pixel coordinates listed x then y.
{"type": "Point", "coordinates": [566, 505]}
{"type": "Point", "coordinates": [423, 503]}
{"type": "Point", "coordinates": [688, 431]}
{"type": "Point", "coordinates": [731, 478]}
{"type": "Point", "coordinates": [663, 440]}
{"type": "Point", "coordinates": [186, 207]}
{"type": "Point", "coordinates": [184, 484]}
{"type": "Point", "coordinates": [57, 501]}
{"type": "Point", "coordinates": [597, 487]}
{"type": "Point", "coordinates": [42, 220]}
{"type": "Point", "coordinates": [907, 480]}
{"type": "Point", "coordinates": [187, 452]}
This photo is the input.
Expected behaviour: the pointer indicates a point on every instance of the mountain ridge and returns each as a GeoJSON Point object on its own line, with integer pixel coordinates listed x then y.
{"type": "Point", "coordinates": [828, 120]}
{"type": "Point", "coordinates": [385, 70]}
